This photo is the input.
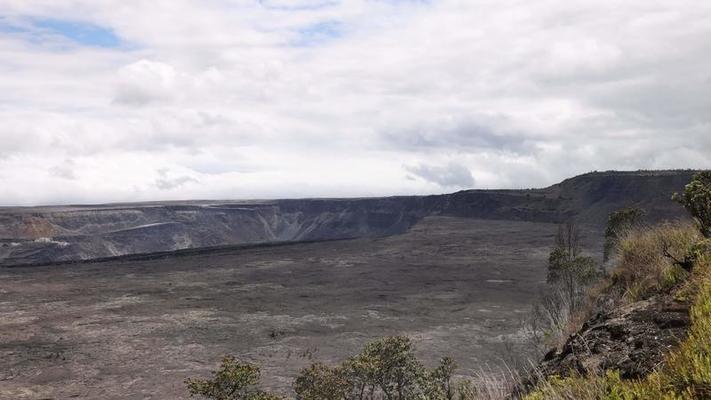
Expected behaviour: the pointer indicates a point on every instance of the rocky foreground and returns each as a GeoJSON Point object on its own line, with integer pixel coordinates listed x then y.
{"type": "Point", "coordinates": [632, 339]}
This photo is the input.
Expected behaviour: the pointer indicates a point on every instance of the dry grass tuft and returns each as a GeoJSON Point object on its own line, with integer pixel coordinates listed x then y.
{"type": "Point", "coordinates": [489, 384]}
{"type": "Point", "coordinates": [644, 267]}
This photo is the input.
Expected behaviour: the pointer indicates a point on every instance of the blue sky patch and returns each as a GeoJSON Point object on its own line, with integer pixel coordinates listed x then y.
{"type": "Point", "coordinates": [318, 33]}
{"type": "Point", "coordinates": [304, 6]}
{"type": "Point", "coordinates": [82, 33]}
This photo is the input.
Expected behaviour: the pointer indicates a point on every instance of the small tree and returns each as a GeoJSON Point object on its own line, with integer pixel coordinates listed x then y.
{"type": "Point", "coordinates": [566, 261]}
{"type": "Point", "coordinates": [568, 270]}
{"type": "Point", "coordinates": [361, 372]}
{"type": "Point", "coordinates": [396, 370]}
{"type": "Point", "coordinates": [618, 224]}
{"type": "Point", "coordinates": [697, 200]}
{"type": "Point", "coordinates": [385, 369]}
{"type": "Point", "coordinates": [234, 380]}
{"type": "Point", "coordinates": [321, 382]}
{"type": "Point", "coordinates": [558, 263]}
{"type": "Point", "coordinates": [441, 377]}
{"type": "Point", "coordinates": [568, 239]}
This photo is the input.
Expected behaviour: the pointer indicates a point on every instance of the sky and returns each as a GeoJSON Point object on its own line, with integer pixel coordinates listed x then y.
{"type": "Point", "coordinates": [128, 100]}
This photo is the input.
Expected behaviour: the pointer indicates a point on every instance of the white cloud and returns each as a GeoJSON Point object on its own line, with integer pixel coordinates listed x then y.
{"type": "Point", "coordinates": [65, 170]}
{"type": "Point", "coordinates": [452, 175]}
{"type": "Point", "coordinates": [146, 81]}
{"type": "Point", "coordinates": [167, 182]}
{"type": "Point", "coordinates": [323, 98]}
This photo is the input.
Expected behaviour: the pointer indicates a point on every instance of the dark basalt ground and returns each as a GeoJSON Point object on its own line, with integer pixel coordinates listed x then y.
{"type": "Point", "coordinates": [632, 340]}
{"type": "Point", "coordinates": [135, 329]}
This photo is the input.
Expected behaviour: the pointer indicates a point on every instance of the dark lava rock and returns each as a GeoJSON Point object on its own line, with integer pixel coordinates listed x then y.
{"type": "Point", "coordinates": [631, 339]}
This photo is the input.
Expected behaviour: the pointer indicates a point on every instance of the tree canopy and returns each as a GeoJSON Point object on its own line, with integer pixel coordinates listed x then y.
{"type": "Point", "coordinates": [696, 198]}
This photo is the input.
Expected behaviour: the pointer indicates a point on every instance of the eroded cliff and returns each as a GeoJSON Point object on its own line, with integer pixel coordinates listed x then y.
{"type": "Point", "coordinates": [38, 235]}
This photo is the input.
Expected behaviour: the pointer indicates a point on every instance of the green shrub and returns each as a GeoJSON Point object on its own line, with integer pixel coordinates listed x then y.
{"type": "Point", "coordinates": [321, 382]}
{"type": "Point", "coordinates": [385, 369]}
{"type": "Point", "coordinates": [696, 198]}
{"type": "Point", "coordinates": [234, 380]}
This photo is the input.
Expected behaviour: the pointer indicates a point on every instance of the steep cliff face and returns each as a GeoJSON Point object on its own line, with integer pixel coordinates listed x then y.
{"type": "Point", "coordinates": [68, 233]}
{"type": "Point", "coordinates": [80, 233]}
{"type": "Point", "coordinates": [588, 198]}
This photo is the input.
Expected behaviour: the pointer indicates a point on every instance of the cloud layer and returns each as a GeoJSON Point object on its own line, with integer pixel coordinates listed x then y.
{"type": "Point", "coordinates": [126, 101]}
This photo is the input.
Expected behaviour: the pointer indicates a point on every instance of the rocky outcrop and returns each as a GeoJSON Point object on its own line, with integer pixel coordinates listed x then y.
{"type": "Point", "coordinates": [34, 235]}
{"type": "Point", "coordinates": [632, 339]}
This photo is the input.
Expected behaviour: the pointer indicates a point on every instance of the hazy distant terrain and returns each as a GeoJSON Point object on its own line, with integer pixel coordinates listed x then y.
{"type": "Point", "coordinates": [69, 233]}
{"type": "Point", "coordinates": [136, 329]}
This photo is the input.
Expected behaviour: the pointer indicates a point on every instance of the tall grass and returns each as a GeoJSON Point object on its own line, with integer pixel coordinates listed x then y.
{"type": "Point", "coordinates": [646, 260]}
{"type": "Point", "coordinates": [489, 384]}
{"type": "Point", "coordinates": [561, 310]}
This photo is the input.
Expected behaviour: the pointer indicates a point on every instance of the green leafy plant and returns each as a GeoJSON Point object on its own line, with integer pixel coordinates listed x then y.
{"type": "Point", "coordinates": [233, 380]}
{"type": "Point", "coordinates": [442, 377]}
{"type": "Point", "coordinates": [321, 382]}
{"type": "Point", "coordinates": [696, 198]}
{"type": "Point", "coordinates": [385, 369]}
{"type": "Point", "coordinates": [395, 369]}
{"type": "Point", "coordinates": [565, 262]}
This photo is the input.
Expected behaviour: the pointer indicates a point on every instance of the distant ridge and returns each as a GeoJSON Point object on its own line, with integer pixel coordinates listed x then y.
{"type": "Point", "coordinates": [47, 234]}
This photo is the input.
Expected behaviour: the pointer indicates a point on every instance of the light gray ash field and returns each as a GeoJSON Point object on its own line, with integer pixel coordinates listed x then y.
{"type": "Point", "coordinates": [457, 273]}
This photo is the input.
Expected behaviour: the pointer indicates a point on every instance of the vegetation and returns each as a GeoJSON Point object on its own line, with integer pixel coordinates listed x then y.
{"type": "Point", "coordinates": [696, 198]}
{"type": "Point", "coordinates": [321, 382]}
{"type": "Point", "coordinates": [686, 374]}
{"type": "Point", "coordinates": [619, 224]}
{"type": "Point", "coordinates": [566, 264]}
{"type": "Point", "coordinates": [644, 267]}
{"type": "Point", "coordinates": [570, 276]}
{"type": "Point", "coordinates": [234, 380]}
{"type": "Point", "coordinates": [386, 369]}
{"type": "Point", "coordinates": [672, 258]}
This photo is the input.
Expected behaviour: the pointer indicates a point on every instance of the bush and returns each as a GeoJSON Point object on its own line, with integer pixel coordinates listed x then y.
{"type": "Point", "coordinates": [644, 269]}
{"type": "Point", "coordinates": [566, 264]}
{"type": "Point", "coordinates": [234, 380]}
{"type": "Point", "coordinates": [570, 276]}
{"type": "Point", "coordinates": [321, 382]}
{"type": "Point", "coordinates": [619, 223]}
{"type": "Point", "coordinates": [385, 369]}
{"type": "Point", "coordinates": [697, 200]}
